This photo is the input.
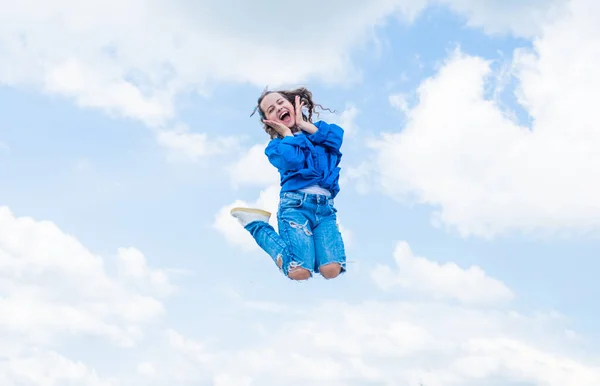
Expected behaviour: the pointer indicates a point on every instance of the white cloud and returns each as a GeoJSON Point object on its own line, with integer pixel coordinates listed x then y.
{"type": "Point", "coordinates": [43, 367]}
{"type": "Point", "coordinates": [441, 281]}
{"type": "Point", "coordinates": [133, 269]}
{"type": "Point", "coordinates": [52, 289]}
{"type": "Point", "coordinates": [348, 120]}
{"type": "Point", "coordinates": [524, 18]}
{"type": "Point", "coordinates": [94, 85]}
{"type": "Point", "coordinates": [345, 119]}
{"type": "Point", "coordinates": [97, 56]}
{"type": "Point", "coordinates": [184, 145]}
{"type": "Point", "coordinates": [100, 57]}
{"type": "Point", "coordinates": [228, 380]}
{"type": "Point", "coordinates": [461, 153]}
{"type": "Point", "coordinates": [361, 176]}
{"type": "Point", "coordinates": [253, 169]}
{"type": "Point", "coordinates": [146, 369]}
{"type": "Point", "coordinates": [360, 343]}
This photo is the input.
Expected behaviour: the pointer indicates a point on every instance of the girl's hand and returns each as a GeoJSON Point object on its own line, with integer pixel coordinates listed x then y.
{"type": "Point", "coordinates": [278, 127]}
{"type": "Point", "coordinates": [300, 122]}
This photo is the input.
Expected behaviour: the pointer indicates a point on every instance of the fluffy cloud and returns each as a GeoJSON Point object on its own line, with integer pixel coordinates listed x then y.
{"type": "Point", "coordinates": [464, 154]}
{"type": "Point", "coordinates": [358, 342]}
{"type": "Point", "coordinates": [52, 288]}
{"type": "Point", "coordinates": [253, 169]}
{"type": "Point", "coordinates": [184, 145]}
{"type": "Point", "coordinates": [441, 281]}
{"type": "Point", "coordinates": [361, 176]}
{"type": "Point", "coordinates": [100, 57]}
{"type": "Point", "coordinates": [345, 119]}
{"type": "Point", "coordinates": [524, 18]}
{"type": "Point", "coordinates": [341, 343]}
{"type": "Point", "coordinates": [44, 367]}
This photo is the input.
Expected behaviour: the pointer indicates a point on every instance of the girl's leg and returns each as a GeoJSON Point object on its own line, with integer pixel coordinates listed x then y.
{"type": "Point", "coordinates": [296, 232]}
{"type": "Point", "coordinates": [329, 246]}
{"type": "Point", "coordinates": [257, 223]}
{"type": "Point", "coordinates": [268, 240]}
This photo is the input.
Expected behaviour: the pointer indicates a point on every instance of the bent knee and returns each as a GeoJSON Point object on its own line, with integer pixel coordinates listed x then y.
{"type": "Point", "coordinates": [330, 271]}
{"type": "Point", "coordinates": [299, 274]}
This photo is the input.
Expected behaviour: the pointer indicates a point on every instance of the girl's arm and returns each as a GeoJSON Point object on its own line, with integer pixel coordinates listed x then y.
{"type": "Point", "coordinates": [287, 153]}
{"type": "Point", "coordinates": [328, 135]}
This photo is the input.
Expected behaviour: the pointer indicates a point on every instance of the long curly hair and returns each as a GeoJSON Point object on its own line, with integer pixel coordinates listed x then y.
{"type": "Point", "coordinates": [305, 97]}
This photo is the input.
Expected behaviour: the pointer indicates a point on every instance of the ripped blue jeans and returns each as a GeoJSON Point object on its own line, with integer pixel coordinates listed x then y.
{"type": "Point", "coordinates": [308, 237]}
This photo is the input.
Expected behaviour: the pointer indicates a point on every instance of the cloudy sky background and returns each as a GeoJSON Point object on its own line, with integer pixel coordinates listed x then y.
{"type": "Point", "coordinates": [470, 202]}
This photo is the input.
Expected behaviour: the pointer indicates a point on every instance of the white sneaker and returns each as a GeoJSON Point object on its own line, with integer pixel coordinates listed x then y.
{"type": "Point", "coordinates": [247, 215]}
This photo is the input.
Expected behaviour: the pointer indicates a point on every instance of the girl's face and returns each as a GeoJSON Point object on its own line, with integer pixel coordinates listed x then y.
{"type": "Point", "coordinates": [277, 108]}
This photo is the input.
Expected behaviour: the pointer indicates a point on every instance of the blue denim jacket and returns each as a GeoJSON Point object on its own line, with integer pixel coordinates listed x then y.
{"type": "Point", "coordinates": [308, 159]}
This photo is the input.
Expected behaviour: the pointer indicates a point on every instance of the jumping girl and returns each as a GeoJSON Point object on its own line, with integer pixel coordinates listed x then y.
{"type": "Point", "coordinates": [307, 156]}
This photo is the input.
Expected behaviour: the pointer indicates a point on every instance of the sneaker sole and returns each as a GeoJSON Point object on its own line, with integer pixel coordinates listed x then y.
{"type": "Point", "coordinates": [248, 210]}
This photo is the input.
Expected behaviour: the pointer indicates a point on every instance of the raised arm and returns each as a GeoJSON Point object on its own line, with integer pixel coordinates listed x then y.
{"type": "Point", "coordinates": [327, 134]}
{"type": "Point", "coordinates": [287, 153]}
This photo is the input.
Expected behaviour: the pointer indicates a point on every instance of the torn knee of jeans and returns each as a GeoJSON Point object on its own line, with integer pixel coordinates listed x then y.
{"type": "Point", "coordinates": [297, 272]}
{"type": "Point", "coordinates": [302, 227]}
{"type": "Point", "coordinates": [293, 265]}
{"type": "Point", "coordinates": [279, 261]}
{"type": "Point", "coordinates": [342, 265]}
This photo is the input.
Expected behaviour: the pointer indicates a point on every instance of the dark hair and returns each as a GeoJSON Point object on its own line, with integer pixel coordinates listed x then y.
{"type": "Point", "coordinates": [305, 96]}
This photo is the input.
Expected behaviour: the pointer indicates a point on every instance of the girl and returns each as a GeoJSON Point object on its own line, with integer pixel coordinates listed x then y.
{"type": "Point", "coordinates": [307, 156]}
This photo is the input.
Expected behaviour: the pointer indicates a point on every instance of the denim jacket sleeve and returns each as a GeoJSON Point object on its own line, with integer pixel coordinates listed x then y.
{"type": "Point", "coordinates": [287, 153]}
{"type": "Point", "coordinates": [327, 135]}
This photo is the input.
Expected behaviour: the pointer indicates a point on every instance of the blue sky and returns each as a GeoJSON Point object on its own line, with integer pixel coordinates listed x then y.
{"type": "Point", "coordinates": [468, 202]}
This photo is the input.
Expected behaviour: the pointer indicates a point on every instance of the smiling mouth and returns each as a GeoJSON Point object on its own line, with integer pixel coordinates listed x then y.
{"type": "Point", "coordinates": [284, 115]}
